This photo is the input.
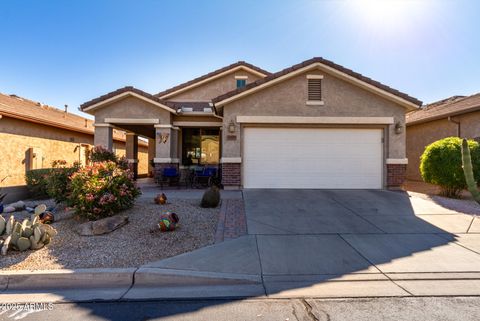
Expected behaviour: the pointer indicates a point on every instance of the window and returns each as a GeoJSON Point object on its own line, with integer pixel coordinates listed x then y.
{"type": "Point", "coordinates": [314, 90]}
{"type": "Point", "coordinates": [241, 81]}
{"type": "Point", "coordinates": [200, 146]}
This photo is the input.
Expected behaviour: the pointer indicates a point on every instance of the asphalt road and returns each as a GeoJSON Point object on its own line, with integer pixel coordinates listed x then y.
{"type": "Point", "coordinates": [398, 309]}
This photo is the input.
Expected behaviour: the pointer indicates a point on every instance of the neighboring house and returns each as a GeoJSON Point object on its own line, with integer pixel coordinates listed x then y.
{"type": "Point", "coordinates": [312, 125]}
{"type": "Point", "coordinates": [454, 116]}
{"type": "Point", "coordinates": [33, 135]}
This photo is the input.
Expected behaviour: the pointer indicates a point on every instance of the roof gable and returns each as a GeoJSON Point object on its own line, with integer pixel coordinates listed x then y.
{"type": "Point", "coordinates": [122, 93]}
{"type": "Point", "coordinates": [240, 65]}
{"type": "Point", "coordinates": [323, 64]}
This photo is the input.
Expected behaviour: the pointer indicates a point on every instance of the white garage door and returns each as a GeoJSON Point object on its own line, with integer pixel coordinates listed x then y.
{"type": "Point", "coordinates": [312, 158]}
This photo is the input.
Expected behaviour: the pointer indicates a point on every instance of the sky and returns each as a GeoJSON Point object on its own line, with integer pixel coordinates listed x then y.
{"type": "Point", "coordinates": [68, 52]}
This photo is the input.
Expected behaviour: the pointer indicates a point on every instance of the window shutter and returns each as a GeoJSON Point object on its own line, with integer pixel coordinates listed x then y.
{"type": "Point", "coordinates": [315, 89]}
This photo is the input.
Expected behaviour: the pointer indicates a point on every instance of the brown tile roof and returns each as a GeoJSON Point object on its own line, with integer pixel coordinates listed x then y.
{"type": "Point", "coordinates": [21, 108]}
{"type": "Point", "coordinates": [452, 106]}
{"type": "Point", "coordinates": [327, 63]}
{"type": "Point", "coordinates": [212, 74]}
{"type": "Point", "coordinates": [121, 91]}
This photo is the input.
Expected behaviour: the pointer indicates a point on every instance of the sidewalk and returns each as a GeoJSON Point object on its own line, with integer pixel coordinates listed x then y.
{"type": "Point", "coordinates": [231, 269]}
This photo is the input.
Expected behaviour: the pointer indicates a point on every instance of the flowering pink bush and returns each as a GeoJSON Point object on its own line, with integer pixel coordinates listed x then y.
{"type": "Point", "coordinates": [102, 189]}
{"type": "Point", "coordinates": [101, 154]}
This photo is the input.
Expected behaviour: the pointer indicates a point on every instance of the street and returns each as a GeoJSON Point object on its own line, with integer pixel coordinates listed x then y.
{"type": "Point", "coordinates": [371, 309]}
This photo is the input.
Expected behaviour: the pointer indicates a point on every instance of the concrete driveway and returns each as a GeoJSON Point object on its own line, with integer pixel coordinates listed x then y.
{"type": "Point", "coordinates": [347, 211]}
{"type": "Point", "coordinates": [346, 243]}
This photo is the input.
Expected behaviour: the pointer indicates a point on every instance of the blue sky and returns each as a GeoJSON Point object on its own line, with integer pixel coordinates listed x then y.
{"type": "Point", "coordinates": [67, 52]}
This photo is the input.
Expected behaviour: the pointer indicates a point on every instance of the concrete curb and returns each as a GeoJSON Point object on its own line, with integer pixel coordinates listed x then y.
{"type": "Point", "coordinates": [78, 279]}
{"type": "Point", "coordinates": [117, 278]}
{"type": "Point", "coordinates": [160, 283]}
{"type": "Point", "coordinates": [169, 277]}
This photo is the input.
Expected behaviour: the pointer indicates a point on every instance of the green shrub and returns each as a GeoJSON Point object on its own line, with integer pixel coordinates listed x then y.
{"type": "Point", "coordinates": [101, 154]}
{"type": "Point", "coordinates": [37, 182]}
{"type": "Point", "coordinates": [441, 164]}
{"type": "Point", "coordinates": [58, 180]}
{"type": "Point", "coordinates": [102, 189]}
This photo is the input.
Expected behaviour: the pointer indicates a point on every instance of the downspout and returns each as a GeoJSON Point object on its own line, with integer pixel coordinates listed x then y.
{"type": "Point", "coordinates": [450, 119]}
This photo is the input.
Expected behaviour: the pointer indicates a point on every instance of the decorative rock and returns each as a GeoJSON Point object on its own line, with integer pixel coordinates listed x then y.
{"type": "Point", "coordinates": [18, 206]}
{"type": "Point", "coordinates": [102, 226]}
{"type": "Point", "coordinates": [8, 209]}
{"type": "Point", "coordinates": [85, 229]}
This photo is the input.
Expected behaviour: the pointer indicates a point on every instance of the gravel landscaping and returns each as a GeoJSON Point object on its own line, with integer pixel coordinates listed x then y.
{"type": "Point", "coordinates": [462, 205]}
{"type": "Point", "coordinates": [130, 246]}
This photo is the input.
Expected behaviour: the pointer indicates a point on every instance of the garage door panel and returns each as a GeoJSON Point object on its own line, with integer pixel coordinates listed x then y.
{"type": "Point", "coordinates": [312, 158]}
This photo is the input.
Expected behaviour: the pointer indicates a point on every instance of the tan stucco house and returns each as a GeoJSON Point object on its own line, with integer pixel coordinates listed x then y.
{"type": "Point", "coordinates": [312, 125]}
{"type": "Point", "coordinates": [32, 135]}
{"type": "Point", "coordinates": [454, 116]}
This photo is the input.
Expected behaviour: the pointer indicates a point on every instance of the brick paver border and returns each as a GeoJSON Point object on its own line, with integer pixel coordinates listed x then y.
{"type": "Point", "coordinates": [232, 222]}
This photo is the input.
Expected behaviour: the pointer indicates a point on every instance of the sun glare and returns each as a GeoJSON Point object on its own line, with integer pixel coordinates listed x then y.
{"type": "Point", "coordinates": [388, 13]}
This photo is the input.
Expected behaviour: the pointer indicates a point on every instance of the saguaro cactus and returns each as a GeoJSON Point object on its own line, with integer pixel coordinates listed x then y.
{"type": "Point", "coordinates": [468, 171]}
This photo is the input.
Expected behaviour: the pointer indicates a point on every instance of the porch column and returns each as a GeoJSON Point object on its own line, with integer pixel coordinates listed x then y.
{"type": "Point", "coordinates": [174, 144]}
{"type": "Point", "coordinates": [165, 148]}
{"type": "Point", "coordinates": [131, 152]}
{"type": "Point", "coordinates": [103, 136]}
{"type": "Point", "coordinates": [151, 155]}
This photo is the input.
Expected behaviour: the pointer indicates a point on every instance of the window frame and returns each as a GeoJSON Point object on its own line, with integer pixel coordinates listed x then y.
{"type": "Point", "coordinates": [240, 78]}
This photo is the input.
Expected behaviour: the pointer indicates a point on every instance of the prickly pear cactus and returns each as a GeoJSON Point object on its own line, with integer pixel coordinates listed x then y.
{"type": "Point", "coordinates": [29, 234]}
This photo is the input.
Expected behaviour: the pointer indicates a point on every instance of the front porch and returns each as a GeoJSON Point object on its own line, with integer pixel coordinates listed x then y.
{"type": "Point", "coordinates": [191, 146]}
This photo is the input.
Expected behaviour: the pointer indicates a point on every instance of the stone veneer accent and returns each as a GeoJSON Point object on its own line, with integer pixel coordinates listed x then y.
{"type": "Point", "coordinates": [160, 166]}
{"type": "Point", "coordinates": [231, 174]}
{"type": "Point", "coordinates": [396, 174]}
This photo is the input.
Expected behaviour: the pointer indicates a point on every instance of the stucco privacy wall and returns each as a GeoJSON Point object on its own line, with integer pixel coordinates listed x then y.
{"type": "Point", "coordinates": [143, 158]}
{"type": "Point", "coordinates": [17, 136]}
{"type": "Point", "coordinates": [288, 98]}
{"type": "Point", "coordinates": [214, 88]}
{"type": "Point", "coordinates": [132, 108]}
{"type": "Point", "coordinates": [421, 135]}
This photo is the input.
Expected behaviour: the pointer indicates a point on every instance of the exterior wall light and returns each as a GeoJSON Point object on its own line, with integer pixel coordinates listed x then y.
{"type": "Point", "coordinates": [231, 127]}
{"type": "Point", "coordinates": [398, 128]}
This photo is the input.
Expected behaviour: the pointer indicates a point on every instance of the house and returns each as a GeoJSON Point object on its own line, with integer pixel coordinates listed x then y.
{"type": "Point", "coordinates": [454, 116]}
{"type": "Point", "coordinates": [312, 125]}
{"type": "Point", "coordinates": [33, 135]}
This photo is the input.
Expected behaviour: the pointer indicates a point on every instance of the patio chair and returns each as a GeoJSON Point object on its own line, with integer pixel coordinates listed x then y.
{"type": "Point", "coordinates": [204, 177]}
{"type": "Point", "coordinates": [169, 175]}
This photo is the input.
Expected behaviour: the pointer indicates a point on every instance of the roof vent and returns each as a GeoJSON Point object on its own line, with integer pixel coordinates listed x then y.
{"type": "Point", "coordinates": [315, 89]}
{"type": "Point", "coordinates": [186, 109]}
{"type": "Point", "coordinates": [207, 110]}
